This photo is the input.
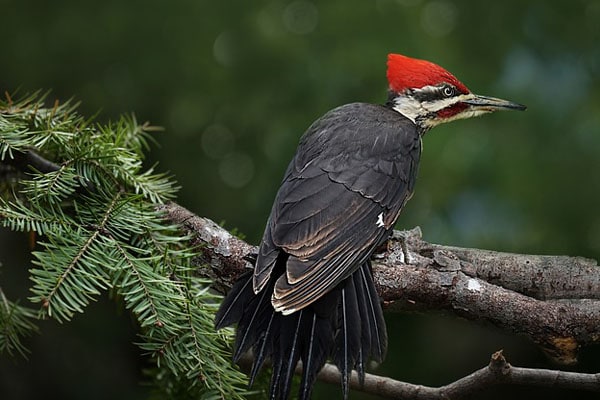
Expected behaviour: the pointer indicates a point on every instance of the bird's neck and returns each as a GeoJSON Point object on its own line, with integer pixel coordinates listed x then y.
{"type": "Point", "coordinates": [412, 110]}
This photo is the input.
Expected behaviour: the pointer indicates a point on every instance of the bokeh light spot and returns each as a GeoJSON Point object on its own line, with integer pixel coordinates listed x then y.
{"type": "Point", "coordinates": [439, 18]}
{"type": "Point", "coordinates": [217, 141]}
{"type": "Point", "coordinates": [301, 17]}
{"type": "Point", "coordinates": [236, 169]}
{"type": "Point", "coordinates": [224, 49]}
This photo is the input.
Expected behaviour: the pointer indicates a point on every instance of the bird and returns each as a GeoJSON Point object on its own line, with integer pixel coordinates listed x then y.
{"type": "Point", "coordinates": [310, 296]}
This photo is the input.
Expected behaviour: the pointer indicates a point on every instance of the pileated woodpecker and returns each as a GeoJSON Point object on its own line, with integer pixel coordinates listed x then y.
{"type": "Point", "coordinates": [311, 295]}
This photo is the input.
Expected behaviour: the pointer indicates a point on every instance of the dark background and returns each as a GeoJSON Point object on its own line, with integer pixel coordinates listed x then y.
{"type": "Point", "coordinates": [235, 83]}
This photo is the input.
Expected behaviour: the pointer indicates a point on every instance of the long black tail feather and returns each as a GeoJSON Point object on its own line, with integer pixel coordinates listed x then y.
{"type": "Point", "coordinates": [233, 305]}
{"type": "Point", "coordinates": [346, 325]}
{"type": "Point", "coordinates": [251, 325]}
{"type": "Point", "coordinates": [378, 332]}
{"type": "Point", "coordinates": [262, 349]}
{"type": "Point", "coordinates": [348, 344]}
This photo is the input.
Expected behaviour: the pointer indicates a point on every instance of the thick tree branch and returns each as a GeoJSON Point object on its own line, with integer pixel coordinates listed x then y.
{"type": "Point", "coordinates": [452, 278]}
{"type": "Point", "coordinates": [507, 290]}
{"type": "Point", "coordinates": [540, 277]}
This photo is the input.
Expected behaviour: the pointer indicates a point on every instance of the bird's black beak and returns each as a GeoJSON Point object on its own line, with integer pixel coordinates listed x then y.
{"type": "Point", "coordinates": [489, 104]}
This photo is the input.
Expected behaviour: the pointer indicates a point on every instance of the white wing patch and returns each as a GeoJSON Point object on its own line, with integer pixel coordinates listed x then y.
{"type": "Point", "coordinates": [379, 222]}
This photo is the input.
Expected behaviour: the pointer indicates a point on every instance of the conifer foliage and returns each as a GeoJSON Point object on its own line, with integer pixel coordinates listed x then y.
{"type": "Point", "coordinates": [81, 188]}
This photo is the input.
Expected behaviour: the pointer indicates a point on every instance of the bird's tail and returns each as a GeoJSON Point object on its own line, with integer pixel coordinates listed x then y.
{"type": "Point", "coordinates": [346, 326]}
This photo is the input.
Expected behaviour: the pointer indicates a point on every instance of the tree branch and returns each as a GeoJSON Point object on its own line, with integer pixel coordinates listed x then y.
{"type": "Point", "coordinates": [498, 371]}
{"type": "Point", "coordinates": [452, 278]}
{"type": "Point", "coordinates": [25, 161]}
{"type": "Point", "coordinates": [507, 290]}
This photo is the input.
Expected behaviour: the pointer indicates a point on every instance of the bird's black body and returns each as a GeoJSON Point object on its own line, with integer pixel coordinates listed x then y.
{"type": "Point", "coordinates": [311, 296]}
{"type": "Point", "coordinates": [353, 171]}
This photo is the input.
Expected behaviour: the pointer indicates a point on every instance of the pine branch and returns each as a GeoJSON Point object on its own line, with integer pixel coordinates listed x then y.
{"type": "Point", "coordinates": [82, 188]}
{"type": "Point", "coordinates": [16, 322]}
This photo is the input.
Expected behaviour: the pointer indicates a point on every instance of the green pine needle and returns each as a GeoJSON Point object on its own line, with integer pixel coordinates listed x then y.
{"type": "Point", "coordinates": [92, 204]}
{"type": "Point", "coordinates": [16, 322]}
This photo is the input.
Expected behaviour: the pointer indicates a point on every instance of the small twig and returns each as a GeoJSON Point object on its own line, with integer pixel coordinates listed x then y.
{"type": "Point", "coordinates": [497, 372]}
{"type": "Point", "coordinates": [30, 160]}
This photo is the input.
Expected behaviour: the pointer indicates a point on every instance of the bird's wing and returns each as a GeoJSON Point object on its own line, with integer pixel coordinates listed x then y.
{"type": "Point", "coordinates": [333, 209]}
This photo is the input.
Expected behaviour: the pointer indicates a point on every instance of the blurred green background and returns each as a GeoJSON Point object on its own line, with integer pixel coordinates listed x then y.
{"type": "Point", "coordinates": [235, 83]}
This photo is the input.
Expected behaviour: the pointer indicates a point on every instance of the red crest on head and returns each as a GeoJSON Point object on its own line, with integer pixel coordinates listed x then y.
{"type": "Point", "coordinates": [410, 73]}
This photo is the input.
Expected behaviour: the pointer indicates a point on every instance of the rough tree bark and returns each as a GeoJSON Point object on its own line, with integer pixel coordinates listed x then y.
{"type": "Point", "coordinates": [554, 300]}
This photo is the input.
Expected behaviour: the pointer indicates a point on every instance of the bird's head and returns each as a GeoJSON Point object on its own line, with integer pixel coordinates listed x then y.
{"type": "Point", "coordinates": [429, 95]}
